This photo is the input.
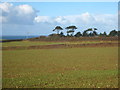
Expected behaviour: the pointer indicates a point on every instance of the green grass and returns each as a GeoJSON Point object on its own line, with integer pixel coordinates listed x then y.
{"type": "Point", "coordinates": [61, 68]}
{"type": "Point", "coordinates": [35, 43]}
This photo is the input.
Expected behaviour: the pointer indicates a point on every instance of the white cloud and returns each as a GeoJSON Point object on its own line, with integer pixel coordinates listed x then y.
{"type": "Point", "coordinates": [61, 20]}
{"type": "Point", "coordinates": [43, 19]}
{"type": "Point", "coordinates": [106, 19]}
{"type": "Point", "coordinates": [104, 22]}
{"type": "Point", "coordinates": [87, 17]}
{"type": "Point", "coordinates": [22, 14]}
{"type": "Point", "coordinates": [5, 7]}
{"type": "Point", "coordinates": [24, 9]}
{"type": "Point", "coordinates": [85, 20]}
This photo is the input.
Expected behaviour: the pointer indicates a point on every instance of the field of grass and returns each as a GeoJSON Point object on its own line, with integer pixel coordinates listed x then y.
{"type": "Point", "coordinates": [61, 68]}
{"type": "Point", "coordinates": [35, 43]}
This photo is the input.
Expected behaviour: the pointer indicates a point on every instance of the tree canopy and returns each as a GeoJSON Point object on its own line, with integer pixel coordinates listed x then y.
{"type": "Point", "coordinates": [58, 28]}
{"type": "Point", "coordinates": [90, 32]}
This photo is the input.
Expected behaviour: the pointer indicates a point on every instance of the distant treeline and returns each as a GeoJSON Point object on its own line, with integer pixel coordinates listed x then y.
{"type": "Point", "coordinates": [87, 35]}
{"type": "Point", "coordinates": [91, 32]}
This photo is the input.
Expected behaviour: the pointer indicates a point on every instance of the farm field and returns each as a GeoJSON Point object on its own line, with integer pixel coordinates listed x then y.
{"type": "Point", "coordinates": [59, 45]}
{"type": "Point", "coordinates": [90, 67]}
{"type": "Point", "coordinates": [35, 43]}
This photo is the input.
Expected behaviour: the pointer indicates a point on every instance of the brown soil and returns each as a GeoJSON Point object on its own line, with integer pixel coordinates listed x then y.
{"type": "Point", "coordinates": [61, 46]}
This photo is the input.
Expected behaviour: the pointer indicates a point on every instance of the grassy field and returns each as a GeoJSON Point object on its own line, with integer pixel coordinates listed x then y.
{"type": "Point", "coordinates": [61, 68]}
{"type": "Point", "coordinates": [35, 43]}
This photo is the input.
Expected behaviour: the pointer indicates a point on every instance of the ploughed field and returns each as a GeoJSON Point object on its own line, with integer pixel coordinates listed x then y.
{"type": "Point", "coordinates": [72, 67]}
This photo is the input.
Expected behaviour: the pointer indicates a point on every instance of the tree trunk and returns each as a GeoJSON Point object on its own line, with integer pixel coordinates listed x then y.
{"type": "Point", "coordinates": [57, 31]}
{"type": "Point", "coordinates": [72, 32]}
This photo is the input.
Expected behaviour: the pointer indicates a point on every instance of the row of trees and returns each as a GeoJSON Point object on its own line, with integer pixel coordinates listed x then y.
{"type": "Point", "coordinates": [70, 29]}
{"type": "Point", "coordinates": [87, 33]}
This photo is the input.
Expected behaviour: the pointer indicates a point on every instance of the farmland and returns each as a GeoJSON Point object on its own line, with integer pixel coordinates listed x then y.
{"type": "Point", "coordinates": [59, 45]}
{"type": "Point", "coordinates": [77, 67]}
{"type": "Point", "coordinates": [35, 43]}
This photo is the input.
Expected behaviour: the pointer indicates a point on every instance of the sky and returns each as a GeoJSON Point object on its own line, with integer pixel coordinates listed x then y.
{"type": "Point", "coordinates": [40, 18]}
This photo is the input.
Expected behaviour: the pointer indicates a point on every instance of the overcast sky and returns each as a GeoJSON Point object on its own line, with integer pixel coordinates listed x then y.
{"type": "Point", "coordinates": [40, 18]}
